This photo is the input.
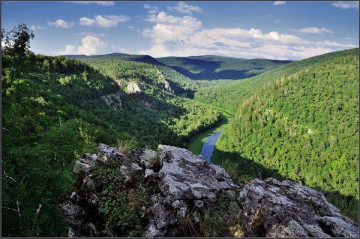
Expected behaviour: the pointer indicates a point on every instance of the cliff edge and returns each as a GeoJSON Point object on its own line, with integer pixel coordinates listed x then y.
{"type": "Point", "coordinates": [171, 192]}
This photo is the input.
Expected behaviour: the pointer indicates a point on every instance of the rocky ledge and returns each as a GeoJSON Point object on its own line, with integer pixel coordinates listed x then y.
{"type": "Point", "coordinates": [171, 192]}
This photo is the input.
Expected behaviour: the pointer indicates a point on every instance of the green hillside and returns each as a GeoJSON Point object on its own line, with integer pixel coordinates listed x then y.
{"type": "Point", "coordinates": [231, 96]}
{"type": "Point", "coordinates": [219, 67]}
{"type": "Point", "coordinates": [304, 125]}
{"type": "Point", "coordinates": [55, 109]}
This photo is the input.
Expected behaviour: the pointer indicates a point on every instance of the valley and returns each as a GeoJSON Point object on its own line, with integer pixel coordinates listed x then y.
{"type": "Point", "coordinates": [256, 118]}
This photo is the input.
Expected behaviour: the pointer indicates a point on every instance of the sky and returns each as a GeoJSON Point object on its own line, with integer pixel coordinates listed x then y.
{"type": "Point", "coordinates": [282, 30]}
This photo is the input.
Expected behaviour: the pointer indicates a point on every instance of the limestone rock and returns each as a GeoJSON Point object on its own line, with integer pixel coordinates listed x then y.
{"type": "Point", "coordinates": [287, 209]}
{"type": "Point", "coordinates": [133, 88]}
{"type": "Point", "coordinates": [186, 176]}
{"type": "Point", "coordinates": [113, 100]}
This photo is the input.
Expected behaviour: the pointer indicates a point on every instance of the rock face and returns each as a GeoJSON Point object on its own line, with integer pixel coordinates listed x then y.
{"type": "Point", "coordinates": [182, 188]}
{"type": "Point", "coordinates": [133, 88]}
{"type": "Point", "coordinates": [286, 209]}
{"type": "Point", "coordinates": [113, 100]}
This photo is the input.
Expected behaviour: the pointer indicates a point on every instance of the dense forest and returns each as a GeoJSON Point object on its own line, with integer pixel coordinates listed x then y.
{"type": "Point", "coordinates": [304, 127]}
{"type": "Point", "coordinates": [55, 109]}
{"type": "Point", "coordinates": [231, 96]}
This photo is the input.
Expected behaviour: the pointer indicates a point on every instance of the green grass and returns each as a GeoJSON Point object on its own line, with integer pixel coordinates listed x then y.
{"type": "Point", "coordinates": [197, 141]}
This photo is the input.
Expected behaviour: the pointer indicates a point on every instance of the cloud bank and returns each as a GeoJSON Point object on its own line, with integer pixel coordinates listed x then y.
{"type": "Point", "coordinates": [314, 30]}
{"type": "Point", "coordinates": [61, 23]}
{"type": "Point", "coordinates": [184, 36]}
{"type": "Point", "coordinates": [103, 21]}
{"type": "Point", "coordinates": [347, 4]}
{"type": "Point", "coordinates": [277, 3]}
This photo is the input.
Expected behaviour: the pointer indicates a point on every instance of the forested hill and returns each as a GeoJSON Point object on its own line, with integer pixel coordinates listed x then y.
{"type": "Point", "coordinates": [231, 96]}
{"type": "Point", "coordinates": [304, 125]}
{"type": "Point", "coordinates": [219, 67]}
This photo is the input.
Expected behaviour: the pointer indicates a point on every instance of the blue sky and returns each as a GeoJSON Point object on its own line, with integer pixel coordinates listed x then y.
{"type": "Point", "coordinates": [273, 30]}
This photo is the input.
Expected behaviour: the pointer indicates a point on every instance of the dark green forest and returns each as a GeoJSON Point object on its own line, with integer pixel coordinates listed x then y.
{"type": "Point", "coordinates": [231, 96]}
{"type": "Point", "coordinates": [305, 128]}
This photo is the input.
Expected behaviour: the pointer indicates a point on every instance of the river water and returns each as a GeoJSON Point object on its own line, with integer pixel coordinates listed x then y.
{"type": "Point", "coordinates": [209, 146]}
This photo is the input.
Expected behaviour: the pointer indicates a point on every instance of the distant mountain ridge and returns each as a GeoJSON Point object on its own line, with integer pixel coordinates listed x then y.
{"type": "Point", "coordinates": [219, 67]}
{"type": "Point", "coordinates": [118, 56]}
{"type": "Point", "coordinates": [206, 67]}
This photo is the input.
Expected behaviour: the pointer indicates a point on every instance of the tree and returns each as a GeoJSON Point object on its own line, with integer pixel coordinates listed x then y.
{"type": "Point", "coordinates": [16, 48]}
{"type": "Point", "coordinates": [17, 41]}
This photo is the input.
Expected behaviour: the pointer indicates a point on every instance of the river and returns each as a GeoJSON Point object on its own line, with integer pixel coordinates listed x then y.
{"type": "Point", "coordinates": [204, 143]}
{"type": "Point", "coordinates": [209, 146]}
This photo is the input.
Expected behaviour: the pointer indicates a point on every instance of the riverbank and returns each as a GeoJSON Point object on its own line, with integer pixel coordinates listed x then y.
{"type": "Point", "coordinates": [196, 143]}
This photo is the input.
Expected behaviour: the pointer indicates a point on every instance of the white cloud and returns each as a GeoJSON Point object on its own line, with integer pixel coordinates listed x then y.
{"type": "Point", "coordinates": [168, 28]}
{"type": "Point", "coordinates": [104, 21]}
{"type": "Point", "coordinates": [184, 36]}
{"type": "Point", "coordinates": [346, 4]}
{"type": "Point", "coordinates": [61, 23]}
{"type": "Point", "coordinates": [314, 30]}
{"type": "Point", "coordinates": [105, 3]}
{"type": "Point", "coordinates": [90, 45]}
{"type": "Point", "coordinates": [276, 3]}
{"type": "Point", "coordinates": [277, 21]}
{"type": "Point", "coordinates": [350, 38]}
{"type": "Point", "coordinates": [185, 8]}
{"type": "Point", "coordinates": [69, 50]}
{"type": "Point", "coordinates": [152, 9]}
{"type": "Point", "coordinates": [87, 21]}
{"type": "Point", "coordinates": [102, 3]}
{"type": "Point", "coordinates": [34, 27]}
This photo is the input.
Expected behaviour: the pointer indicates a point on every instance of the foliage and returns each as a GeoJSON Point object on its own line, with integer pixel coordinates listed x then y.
{"type": "Point", "coordinates": [121, 207]}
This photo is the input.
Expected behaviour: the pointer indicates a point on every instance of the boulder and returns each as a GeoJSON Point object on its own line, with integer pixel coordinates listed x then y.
{"type": "Point", "coordinates": [272, 208]}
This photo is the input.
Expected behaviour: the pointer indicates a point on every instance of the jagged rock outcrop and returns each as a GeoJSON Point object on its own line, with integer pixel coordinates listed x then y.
{"type": "Point", "coordinates": [164, 82]}
{"type": "Point", "coordinates": [113, 100]}
{"type": "Point", "coordinates": [287, 209]}
{"type": "Point", "coordinates": [133, 88]}
{"type": "Point", "coordinates": [171, 192]}
{"type": "Point", "coordinates": [167, 86]}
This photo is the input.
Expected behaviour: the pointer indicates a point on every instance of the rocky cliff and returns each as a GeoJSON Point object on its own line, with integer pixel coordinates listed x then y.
{"type": "Point", "coordinates": [171, 192]}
